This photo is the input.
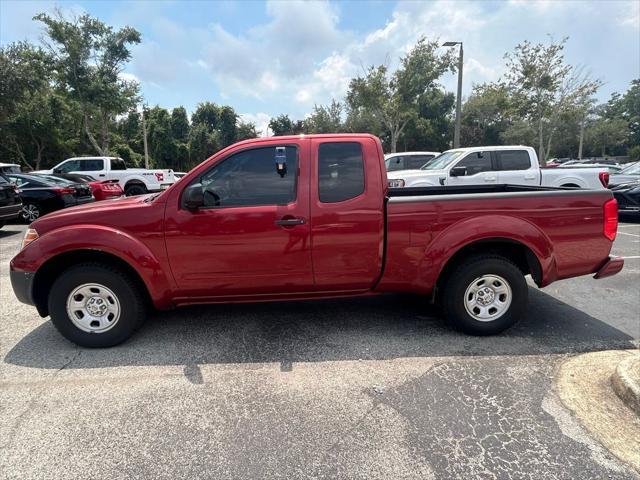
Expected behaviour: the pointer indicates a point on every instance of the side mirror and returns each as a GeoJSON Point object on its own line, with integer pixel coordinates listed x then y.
{"type": "Point", "coordinates": [193, 197]}
{"type": "Point", "coordinates": [57, 170]}
{"type": "Point", "coordinates": [458, 171]}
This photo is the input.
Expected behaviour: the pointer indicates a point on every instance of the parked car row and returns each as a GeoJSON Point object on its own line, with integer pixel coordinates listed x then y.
{"type": "Point", "coordinates": [515, 165]}
{"type": "Point", "coordinates": [76, 181]}
{"type": "Point", "coordinates": [134, 181]}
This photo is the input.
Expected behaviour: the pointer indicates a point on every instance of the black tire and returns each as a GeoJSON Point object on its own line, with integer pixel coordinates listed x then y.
{"type": "Point", "coordinates": [135, 189]}
{"type": "Point", "coordinates": [30, 212]}
{"type": "Point", "coordinates": [466, 274]}
{"type": "Point", "coordinates": [129, 297]}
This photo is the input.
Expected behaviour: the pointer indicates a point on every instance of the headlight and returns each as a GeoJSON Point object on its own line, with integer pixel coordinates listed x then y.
{"type": "Point", "coordinates": [396, 183]}
{"type": "Point", "coordinates": [29, 236]}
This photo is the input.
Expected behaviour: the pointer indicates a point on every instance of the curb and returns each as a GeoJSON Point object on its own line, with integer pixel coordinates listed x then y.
{"type": "Point", "coordinates": [626, 382]}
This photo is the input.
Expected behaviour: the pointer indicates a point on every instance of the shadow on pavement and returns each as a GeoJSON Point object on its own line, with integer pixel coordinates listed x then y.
{"type": "Point", "coordinates": [7, 233]}
{"type": "Point", "coordinates": [376, 328]}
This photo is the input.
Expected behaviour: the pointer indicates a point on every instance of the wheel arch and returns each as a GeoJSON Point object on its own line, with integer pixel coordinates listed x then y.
{"type": "Point", "coordinates": [59, 249]}
{"type": "Point", "coordinates": [519, 253]}
{"type": "Point", "coordinates": [54, 266]}
{"type": "Point", "coordinates": [517, 239]}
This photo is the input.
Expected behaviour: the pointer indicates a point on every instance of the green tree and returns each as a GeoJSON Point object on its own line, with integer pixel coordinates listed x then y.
{"type": "Point", "coordinates": [281, 125]}
{"type": "Point", "coordinates": [325, 119]}
{"type": "Point", "coordinates": [208, 115]}
{"type": "Point", "coordinates": [606, 134]}
{"type": "Point", "coordinates": [34, 118]}
{"type": "Point", "coordinates": [431, 127]}
{"type": "Point", "coordinates": [202, 143]}
{"type": "Point", "coordinates": [247, 130]}
{"type": "Point", "coordinates": [486, 115]}
{"type": "Point", "coordinates": [89, 56]}
{"type": "Point", "coordinates": [543, 87]}
{"type": "Point", "coordinates": [393, 99]}
{"type": "Point", "coordinates": [179, 124]}
{"type": "Point", "coordinates": [228, 126]}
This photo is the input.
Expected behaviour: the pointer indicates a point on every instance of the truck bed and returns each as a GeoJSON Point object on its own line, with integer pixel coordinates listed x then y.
{"type": "Point", "coordinates": [562, 227]}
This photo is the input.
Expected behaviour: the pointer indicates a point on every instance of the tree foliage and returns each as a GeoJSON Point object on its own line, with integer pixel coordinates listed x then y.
{"type": "Point", "coordinates": [89, 57]}
{"type": "Point", "coordinates": [392, 99]}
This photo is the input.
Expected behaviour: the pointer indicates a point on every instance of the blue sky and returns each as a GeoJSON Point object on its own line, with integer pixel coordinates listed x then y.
{"type": "Point", "coordinates": [266, 58]}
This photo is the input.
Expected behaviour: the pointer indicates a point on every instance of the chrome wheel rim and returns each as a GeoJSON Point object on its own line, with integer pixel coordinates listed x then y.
{"type": "Point", "coordinates": [30, 212]}
{"type": "Point", "coordinates": [93, 308]}
{"type": "Point", "coordinates": [487, 298]}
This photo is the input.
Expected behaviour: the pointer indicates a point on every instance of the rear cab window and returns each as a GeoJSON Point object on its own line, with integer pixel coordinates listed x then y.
{"type": "Point", "coordinates": [118, 164]}
{"type": "Point", "coordinates": [91, 165]}
{"type": "Point", "coordinates": [513, 160]}
{"type": "Point", "coordinates": [340, 171]}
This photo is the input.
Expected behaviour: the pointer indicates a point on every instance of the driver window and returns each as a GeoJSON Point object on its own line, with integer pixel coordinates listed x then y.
{"type": "Point", "coordinates": [250, 178]}
{"type": "Point", "coordinates": [477, 162]}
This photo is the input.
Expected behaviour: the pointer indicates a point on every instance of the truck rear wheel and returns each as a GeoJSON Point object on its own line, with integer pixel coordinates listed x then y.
{"type": "Point", "coordinates": [485, 295]}
{"type": "Point", "coordinates": [94, 305]}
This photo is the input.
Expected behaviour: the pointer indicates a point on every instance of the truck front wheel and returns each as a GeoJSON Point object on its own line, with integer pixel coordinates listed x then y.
{"type": "Point", "coordinates": [485, 295]}
{"type": "Point", "coordinates": [94, 305]}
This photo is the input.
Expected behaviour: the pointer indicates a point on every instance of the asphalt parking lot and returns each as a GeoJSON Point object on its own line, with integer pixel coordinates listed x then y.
{"type": "Point", "coordinates": [363, 388]}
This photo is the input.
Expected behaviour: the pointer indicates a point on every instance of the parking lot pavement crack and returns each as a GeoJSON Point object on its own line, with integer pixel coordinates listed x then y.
{"type": "Point", "coordinates": [36, 395]}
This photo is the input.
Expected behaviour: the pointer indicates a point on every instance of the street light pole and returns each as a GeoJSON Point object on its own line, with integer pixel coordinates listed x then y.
{"type": "Point", "coordinates": [456, 133]}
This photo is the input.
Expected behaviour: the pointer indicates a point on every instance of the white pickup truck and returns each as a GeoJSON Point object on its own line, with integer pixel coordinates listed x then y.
{"type": "Point", "coordinates": [514, 165]}
{"type": "Point", "coordinates": [134, 181]}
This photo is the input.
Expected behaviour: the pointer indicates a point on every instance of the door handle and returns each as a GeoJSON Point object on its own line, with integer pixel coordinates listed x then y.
{"type": "Point", "coordinates": [489, 179]}
{"type": "Point", "coordinates": [290, 222]}
{"type": "Point", "coordinates": [529, 177]}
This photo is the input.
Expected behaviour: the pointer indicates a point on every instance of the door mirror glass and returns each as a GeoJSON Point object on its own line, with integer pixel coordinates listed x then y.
{"type": "Point", "coordinates": [458, 171]}
{"type": "Point", "coordinates": [193, 197]}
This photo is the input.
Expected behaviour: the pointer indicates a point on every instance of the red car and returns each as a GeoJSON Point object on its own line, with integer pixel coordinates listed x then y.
{"type": "Point", "coordinates": [301, 217]}
{"type": "Point", "coordinates": [104, 190]}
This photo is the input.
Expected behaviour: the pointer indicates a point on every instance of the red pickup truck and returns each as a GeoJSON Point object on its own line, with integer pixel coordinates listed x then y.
{"type": "Point", "coordinates": [303, 217]}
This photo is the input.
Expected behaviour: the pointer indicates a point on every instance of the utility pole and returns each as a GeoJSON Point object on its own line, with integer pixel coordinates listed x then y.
{"type": "Point", "coordinates": [144, 141]}
{"type": "Point", "coordinates": [456, 134]}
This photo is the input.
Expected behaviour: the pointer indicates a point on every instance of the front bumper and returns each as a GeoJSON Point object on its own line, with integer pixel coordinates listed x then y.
{"type": "Point", "coordinates": [612, 266]}
{"type": "Point", "coordinates": [22, 283]}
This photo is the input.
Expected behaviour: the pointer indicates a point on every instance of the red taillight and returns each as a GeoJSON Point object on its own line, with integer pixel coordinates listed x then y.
{"type": "Point", "coordinates": [64, 191]}
{"type": "Point", "coordinates": [610, 227]}
{"type": "Point", "coordinates": [604, 179]}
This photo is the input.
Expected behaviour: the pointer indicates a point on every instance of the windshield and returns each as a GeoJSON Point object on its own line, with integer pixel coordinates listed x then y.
{"type": "Point", "coordinates": [632, 169]}
{"type": "Point", "coordinates": [442, 161]}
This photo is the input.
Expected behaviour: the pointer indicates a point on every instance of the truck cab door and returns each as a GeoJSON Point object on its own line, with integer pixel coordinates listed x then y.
{"type": "Point", "coordinates": [516, 168]}
{"type": "Point", "coordinates": [251, 236]}
{"type": "Point", "coordinates": [476, 168]}
{"type": "Point", "coordinates": [347, 211]}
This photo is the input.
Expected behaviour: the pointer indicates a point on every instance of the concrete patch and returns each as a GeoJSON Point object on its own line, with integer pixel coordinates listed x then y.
{"type": "Point", "coordinates": [584, 386]}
